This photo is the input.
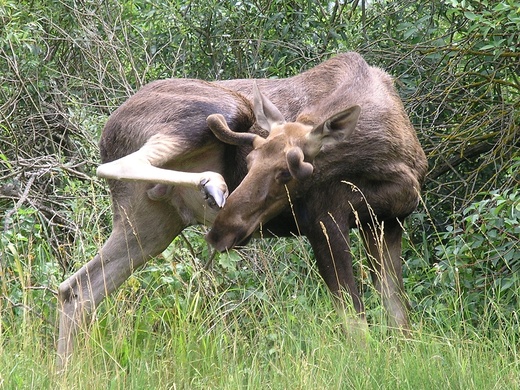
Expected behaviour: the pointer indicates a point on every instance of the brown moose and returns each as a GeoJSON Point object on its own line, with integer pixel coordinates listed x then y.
{"type": "Point", "coordinates": [315, 154]}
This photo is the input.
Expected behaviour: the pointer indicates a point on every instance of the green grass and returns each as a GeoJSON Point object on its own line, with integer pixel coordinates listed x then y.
{"type": "Point", "coordinates": [258, 343]}
{"type": "Point", "coordinates": [258, 319]}
{"type": "Point", "coordinates": [273, 333]}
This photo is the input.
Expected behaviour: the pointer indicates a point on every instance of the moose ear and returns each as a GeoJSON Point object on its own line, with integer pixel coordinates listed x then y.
{"type": "Point", "coordinates": [266, 113]}
{"type": "Point", "coordinates": [338, 127]}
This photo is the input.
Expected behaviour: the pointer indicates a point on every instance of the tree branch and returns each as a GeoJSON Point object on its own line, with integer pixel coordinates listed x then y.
{"type": "Point", "coordinates": [467, 154]}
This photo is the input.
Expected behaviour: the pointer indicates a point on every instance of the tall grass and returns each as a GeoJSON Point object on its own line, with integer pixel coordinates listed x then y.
{"type": "Point", "coordinates": [256, 319]}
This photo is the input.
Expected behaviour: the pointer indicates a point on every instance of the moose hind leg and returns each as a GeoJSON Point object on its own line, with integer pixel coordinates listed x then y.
{"type": "Point", "coordinates": [137, 236]}
{"type": "Point", "coordinates": [383, 243]}
{"type": "Point", "coordinates": [146, 165]}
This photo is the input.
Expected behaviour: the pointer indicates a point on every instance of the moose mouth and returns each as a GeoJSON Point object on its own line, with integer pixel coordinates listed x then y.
{"type": "Point", "coordinates": [230, 231]}
{"type": "Point", "coordinates": [226, 241]}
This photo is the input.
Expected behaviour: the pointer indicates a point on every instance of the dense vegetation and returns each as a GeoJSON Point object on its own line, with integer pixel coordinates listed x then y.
{"type": "Point", "coordinates": [261, 317]}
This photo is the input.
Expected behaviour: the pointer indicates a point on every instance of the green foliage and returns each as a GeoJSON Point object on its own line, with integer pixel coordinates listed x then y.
{"type": "Point", "coordinates": [468, 274]}
{"type": "Point", "coordinates": [499, 23]}
{"type": "Point", "coordinates": [259, 317]}
{"type": "Point", "coordinates": [459, 79]}
{"type": "Point", "coordinates": [479, 258]}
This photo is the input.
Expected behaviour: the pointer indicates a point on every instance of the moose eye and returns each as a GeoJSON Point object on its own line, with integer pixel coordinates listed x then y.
{"type": "Point", "coordinates": [283, 177]}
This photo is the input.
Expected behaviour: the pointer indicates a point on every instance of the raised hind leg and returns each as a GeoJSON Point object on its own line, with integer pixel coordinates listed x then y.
{"type": "Point", "coordinates": [142, 229]}
{"type": "Point", "coordinates": [383, 243]}
{"type": "Point", "coordinates": [147, 165]}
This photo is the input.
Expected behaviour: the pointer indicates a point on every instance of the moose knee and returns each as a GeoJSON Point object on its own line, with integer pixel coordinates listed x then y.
{"type": "Point", "coordinates": [74, 303]}
{"type": "Point", "coordinates": [66, 292]}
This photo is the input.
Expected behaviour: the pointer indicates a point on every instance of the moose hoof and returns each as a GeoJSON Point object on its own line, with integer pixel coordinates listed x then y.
{"type": "Point", "coordinates": [215, 191]}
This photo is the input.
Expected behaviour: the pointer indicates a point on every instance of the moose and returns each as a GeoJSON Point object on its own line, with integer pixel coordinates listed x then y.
{"type": "Point", "coordinates": [315, 154]}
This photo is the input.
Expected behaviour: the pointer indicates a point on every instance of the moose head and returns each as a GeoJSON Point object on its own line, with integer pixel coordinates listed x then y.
{"type": "Point", "coordinates": [278, 166]}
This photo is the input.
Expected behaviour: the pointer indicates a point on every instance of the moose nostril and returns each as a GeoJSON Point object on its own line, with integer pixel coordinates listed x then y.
{"type": "Point", "coordinates": [225, 238]}
{"type": "Point", "coordinates": [218, 241]}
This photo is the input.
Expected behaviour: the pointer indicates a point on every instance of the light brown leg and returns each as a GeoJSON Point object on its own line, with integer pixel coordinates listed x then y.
{"type": "Point", "coordinates": [140, 232]}
{"type": "Point", "coordinates": [145, 165]}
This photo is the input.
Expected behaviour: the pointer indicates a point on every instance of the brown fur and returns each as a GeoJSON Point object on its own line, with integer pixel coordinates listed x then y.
{"type": "Point", "coordinates": [161, 131]}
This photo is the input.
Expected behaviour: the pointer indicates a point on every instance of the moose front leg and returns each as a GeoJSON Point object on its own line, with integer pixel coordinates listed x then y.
{"type": "Point", "coordinates": [383, 243]}
{"type": "Point", "coordinates": [331, 245]}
